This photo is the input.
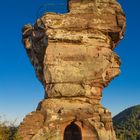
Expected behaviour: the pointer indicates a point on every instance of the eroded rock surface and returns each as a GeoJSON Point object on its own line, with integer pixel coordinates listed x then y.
{"type": "Point", "coordinates": [73, 57]}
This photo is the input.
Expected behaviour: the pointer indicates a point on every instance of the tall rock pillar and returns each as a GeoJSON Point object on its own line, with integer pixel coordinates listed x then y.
{"type": "Point", "coordinates": [73, 57]}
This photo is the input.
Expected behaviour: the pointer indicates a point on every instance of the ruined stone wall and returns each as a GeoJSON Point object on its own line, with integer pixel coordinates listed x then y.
{"type": "Point", "coordinates": [73, 57]}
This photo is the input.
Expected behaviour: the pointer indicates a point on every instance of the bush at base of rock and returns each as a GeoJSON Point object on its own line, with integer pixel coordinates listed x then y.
{"type": "Point", "coordinates": [8, 132]}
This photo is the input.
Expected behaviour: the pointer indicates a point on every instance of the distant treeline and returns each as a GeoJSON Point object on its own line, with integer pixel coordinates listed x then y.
{"type": "Point", "coordinates": [127, 124]}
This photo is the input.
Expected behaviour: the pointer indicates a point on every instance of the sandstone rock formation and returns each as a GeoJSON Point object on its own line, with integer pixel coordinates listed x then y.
{"type": "Point", "coordinates": [73, 57]}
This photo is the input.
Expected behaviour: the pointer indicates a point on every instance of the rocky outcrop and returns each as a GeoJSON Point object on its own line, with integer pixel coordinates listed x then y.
{"type": "Point", "coordinates": [73, 57]}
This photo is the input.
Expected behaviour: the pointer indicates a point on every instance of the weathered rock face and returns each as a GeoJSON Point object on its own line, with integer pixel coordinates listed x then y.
{"type": "Point", "coordinates": [73, 58]}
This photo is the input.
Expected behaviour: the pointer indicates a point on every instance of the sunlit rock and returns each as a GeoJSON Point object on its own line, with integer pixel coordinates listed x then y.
{"type": "Point", "coordinates": [73, 57]}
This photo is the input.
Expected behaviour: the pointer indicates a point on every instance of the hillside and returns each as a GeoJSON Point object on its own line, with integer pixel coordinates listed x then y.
{"type": "Point", "coordinates": [127, 124]}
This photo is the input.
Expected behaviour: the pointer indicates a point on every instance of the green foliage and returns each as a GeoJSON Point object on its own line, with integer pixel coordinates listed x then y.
{"type": "Point", "coordinates": [127, 124]}
{"type": "Point", "coordinates": [8, 132]}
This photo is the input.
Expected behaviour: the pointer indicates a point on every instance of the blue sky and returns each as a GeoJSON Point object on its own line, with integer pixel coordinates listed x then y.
{"type": "Point", "coordinates": [20, 91]}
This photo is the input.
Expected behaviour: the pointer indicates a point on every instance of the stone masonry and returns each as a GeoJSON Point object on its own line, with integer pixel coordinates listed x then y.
{"type": "Point", "coordinates": [73, 57]}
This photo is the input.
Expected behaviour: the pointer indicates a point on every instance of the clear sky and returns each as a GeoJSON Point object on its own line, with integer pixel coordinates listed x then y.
{"type": "Point", "coordinates": [20, 91]}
